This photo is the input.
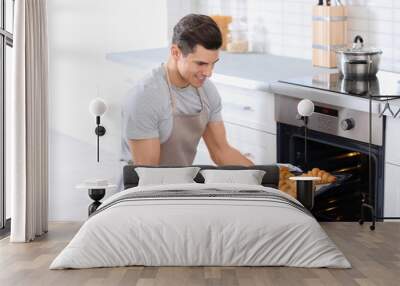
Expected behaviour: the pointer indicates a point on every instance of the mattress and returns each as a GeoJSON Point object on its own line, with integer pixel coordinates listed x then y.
{"type": "Point", "coordinates": [201, 225]}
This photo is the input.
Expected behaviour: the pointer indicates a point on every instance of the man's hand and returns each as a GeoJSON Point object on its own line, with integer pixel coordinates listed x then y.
{"type": "Point", "coordinates": [145, 151]}
{"type": "Point", "coordinates": [220, 151]}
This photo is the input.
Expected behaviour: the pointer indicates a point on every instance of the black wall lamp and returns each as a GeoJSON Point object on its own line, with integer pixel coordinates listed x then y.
{"type": "Point", "coordinates": [305, 186]}
{"type": "Point", "coordinates": [305, 109]}
{"type": "Point", "coordinates": [97, 108]}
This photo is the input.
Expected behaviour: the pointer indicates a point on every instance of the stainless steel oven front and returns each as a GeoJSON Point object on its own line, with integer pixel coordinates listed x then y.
{"type": "Point", "coordinates": [337, 141]}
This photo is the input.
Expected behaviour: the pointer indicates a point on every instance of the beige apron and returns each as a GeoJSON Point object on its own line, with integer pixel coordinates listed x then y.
{"type": "Point", "coordinates": [187, 130]}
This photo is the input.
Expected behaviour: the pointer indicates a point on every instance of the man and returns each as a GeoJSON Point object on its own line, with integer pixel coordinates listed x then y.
{"type": "Point", "coordinates": [168, 112]}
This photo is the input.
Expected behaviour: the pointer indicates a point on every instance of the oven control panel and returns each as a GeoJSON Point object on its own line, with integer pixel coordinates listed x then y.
{"type": "Point", "coordinates": [323, 121]}
{"type": "Point", "coordinates": [339, 121]}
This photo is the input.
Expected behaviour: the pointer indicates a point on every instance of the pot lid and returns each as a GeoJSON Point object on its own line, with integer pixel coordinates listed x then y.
{"type": "Point", "coordinates": [358, 48]}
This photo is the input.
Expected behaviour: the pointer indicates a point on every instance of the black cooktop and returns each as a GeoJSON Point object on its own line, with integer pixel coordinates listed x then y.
{"type": "Point", "coordinates": [385, 86]}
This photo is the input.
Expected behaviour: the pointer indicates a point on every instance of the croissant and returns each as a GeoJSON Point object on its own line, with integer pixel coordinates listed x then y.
{"type": "Point", "coordinates": [326, 177]}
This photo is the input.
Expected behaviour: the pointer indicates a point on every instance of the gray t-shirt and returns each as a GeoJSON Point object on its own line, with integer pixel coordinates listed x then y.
{"type": "Point", "coordinates": [147, 110]}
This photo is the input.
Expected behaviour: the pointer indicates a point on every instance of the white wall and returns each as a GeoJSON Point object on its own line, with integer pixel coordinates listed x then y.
{"type": "Point", "coordinates": [177, 9]}
{"type": "Point", "coordinates": [287, 24]}
{"type": "Point", "coordinates": [81, 33]}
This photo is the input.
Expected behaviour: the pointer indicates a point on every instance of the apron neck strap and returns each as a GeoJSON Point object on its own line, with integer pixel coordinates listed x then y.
{"type": "Point", "coordinates": [172, 96]}
{"type": "Point", "coordinates": [173, 103]}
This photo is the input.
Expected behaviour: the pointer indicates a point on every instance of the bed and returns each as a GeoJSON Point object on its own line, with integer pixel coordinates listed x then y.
{"type": "Point", "coordinates": [201, 224]}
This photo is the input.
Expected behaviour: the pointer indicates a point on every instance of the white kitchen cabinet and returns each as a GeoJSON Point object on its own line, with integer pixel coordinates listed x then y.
{"type": "Point", "coordinates": [392, 153]}
{"type": "Point", "coordinates": [202, 156]}
{"type": "Point", "coordinates": [392, 168]}
{"type": "Point", "coordinates": [247, 107]}
{"type": "Point", "coordinates": [258, 146]}
{"type": "Point", "coordinates": [249, 119]}
{"type": "Point", "coordinates": [392, 191]}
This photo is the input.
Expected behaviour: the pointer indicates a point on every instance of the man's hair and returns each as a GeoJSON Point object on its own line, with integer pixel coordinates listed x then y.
{"type": "Point", "coordinates": [196, 29]}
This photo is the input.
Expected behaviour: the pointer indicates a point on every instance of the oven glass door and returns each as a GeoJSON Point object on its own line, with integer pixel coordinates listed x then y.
{"type": "Point", "coordinates": [347, 159]}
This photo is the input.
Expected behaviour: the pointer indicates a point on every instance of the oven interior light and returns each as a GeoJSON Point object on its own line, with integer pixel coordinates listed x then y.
{"type": "Point", "coordinates": [352, 154]}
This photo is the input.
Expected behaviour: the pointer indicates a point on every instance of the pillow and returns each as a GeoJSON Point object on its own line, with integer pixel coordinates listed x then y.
{"type": "Point", "coordinates": [248, 177]}
{"type": "Point", "coordinates": [162, 176]}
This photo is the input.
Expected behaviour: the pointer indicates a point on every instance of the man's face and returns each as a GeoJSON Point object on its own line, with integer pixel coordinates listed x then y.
{"type": "Point", "coordinates": [196, 66]}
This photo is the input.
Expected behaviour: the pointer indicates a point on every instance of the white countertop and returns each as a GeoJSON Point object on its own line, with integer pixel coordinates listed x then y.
{"type": "Point", "coordinates": [259, 72]}
{"type": "Point", "coordinates": [247, 70]}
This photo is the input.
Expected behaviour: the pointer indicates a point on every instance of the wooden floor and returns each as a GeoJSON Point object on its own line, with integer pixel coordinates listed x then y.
{"type": "Point", "coordinates": [374, 255]}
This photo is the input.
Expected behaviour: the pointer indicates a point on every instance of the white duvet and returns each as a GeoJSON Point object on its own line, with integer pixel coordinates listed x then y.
{"type": "Point", "coordinates": [200, 231]}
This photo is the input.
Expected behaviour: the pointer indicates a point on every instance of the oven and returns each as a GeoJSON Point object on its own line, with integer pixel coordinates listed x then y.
{"type": "Point", "coordinates": [337, 141]}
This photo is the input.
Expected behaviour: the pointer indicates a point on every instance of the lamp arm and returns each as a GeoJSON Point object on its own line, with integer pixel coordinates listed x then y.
{"type": "Point", "coordinates": [98, 137]}
{"type": "Point", "coordinates": [305, 142]}
{"type": "Point", "coordinates": [98, 143]}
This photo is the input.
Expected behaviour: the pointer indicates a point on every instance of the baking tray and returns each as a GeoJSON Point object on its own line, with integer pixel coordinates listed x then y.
{"type": "Point", "coordinates": [323, 188]}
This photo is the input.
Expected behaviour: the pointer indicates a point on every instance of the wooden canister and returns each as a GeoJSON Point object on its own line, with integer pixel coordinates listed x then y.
{"type": "Point", "coordinates": [329, 34]}
{"type": "Point", "coordinates": [223, 23]}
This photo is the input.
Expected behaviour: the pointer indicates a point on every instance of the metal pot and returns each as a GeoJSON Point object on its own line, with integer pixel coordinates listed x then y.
{"type": "Point", "coordinates": [358, 62]}
{"type": "Point", "coordinates": [360, 87]}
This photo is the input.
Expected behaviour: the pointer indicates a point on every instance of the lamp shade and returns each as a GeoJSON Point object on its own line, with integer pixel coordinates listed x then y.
{"type": "Point", "coordinates": [305, 107]}
{"type": "Point", "coordinates": [97, 107]}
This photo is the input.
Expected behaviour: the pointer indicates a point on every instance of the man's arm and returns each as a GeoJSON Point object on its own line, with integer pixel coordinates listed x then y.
{"type": "Point", "coordinates": [145, 151]}
{"type": "Point", "coordinates": [220, 150]}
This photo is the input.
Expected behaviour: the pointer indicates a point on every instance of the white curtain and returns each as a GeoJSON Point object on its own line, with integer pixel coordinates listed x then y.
{"type": "Point", "coordinates": [28, 118]}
